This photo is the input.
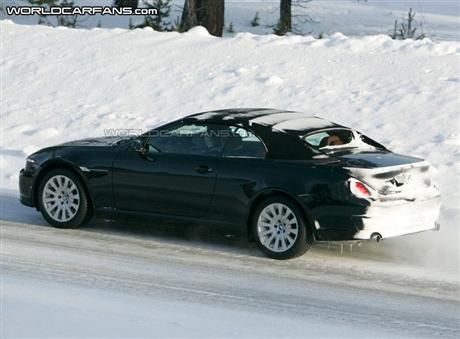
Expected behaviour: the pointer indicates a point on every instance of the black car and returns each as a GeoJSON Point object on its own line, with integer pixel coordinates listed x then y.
{"type": "Point", "coordinates": [284, 178]}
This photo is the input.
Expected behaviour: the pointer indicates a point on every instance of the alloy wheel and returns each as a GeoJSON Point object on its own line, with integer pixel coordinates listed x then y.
{"type": "Point", "coordinates": [61, 198]}
{"type": "Point", "coordinates": [277, 227]}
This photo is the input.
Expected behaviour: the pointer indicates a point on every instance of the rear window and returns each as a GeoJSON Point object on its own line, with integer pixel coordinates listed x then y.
{"type": "Point", "coordinates": [340, 139]}
{"type": "Point", "coordinates": [332, 137]}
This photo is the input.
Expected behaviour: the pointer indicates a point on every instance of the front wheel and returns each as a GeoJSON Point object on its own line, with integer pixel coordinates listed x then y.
{"type": "Point", "coordinates": [62, 199]}
{"type": "Point", "coordinates": [280, 229]}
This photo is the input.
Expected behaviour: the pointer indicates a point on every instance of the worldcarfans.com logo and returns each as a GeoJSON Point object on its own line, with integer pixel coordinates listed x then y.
{"type": "Point", "coordinates": [78, 10]}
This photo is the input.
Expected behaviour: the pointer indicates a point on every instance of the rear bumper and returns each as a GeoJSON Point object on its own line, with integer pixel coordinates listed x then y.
{"type": "Point", "coordinates": [26, 189]}
{"type": "Point", "coordinates": [384, 219]}
{"type": "Point", "coordinates": [394, 219]}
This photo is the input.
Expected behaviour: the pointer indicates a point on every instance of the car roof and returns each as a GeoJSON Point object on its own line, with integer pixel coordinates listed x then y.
{"type": "Point", "coordinates": [256, 118]}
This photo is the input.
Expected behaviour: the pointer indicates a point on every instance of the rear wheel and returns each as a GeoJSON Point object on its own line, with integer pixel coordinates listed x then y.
{"type": "Point", "coordinates": [280, 228]}
{"type": "Point", "coordinates": [62, 199]}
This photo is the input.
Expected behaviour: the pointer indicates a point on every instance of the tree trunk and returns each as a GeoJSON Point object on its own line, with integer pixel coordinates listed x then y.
{"type": "Point", "coordinates": [286, 15]}
{"type": "Point", "coordinates": [214, 16]}
{"type": "Point", "coordinates": [207, 13]}
{"type": "Point", "coordinates": [189, 18]}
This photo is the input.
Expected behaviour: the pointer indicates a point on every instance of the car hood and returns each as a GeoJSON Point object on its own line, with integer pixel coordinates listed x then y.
{"type": "Point", "coordinates": [94, 142]}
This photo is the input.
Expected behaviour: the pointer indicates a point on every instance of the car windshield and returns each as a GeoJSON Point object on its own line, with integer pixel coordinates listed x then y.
{"type": "Point", "coordinates": [338, 139]}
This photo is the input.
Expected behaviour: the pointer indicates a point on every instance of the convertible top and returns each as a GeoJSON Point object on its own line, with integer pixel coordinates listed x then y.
{"type": "Point", "coordinates": [260, 118]}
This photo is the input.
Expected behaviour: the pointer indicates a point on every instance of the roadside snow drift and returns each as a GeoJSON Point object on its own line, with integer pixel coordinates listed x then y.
{"type": "Point", "coordinates": [60, 84]}
{"type": "Point", "coordinates": [437, 19]}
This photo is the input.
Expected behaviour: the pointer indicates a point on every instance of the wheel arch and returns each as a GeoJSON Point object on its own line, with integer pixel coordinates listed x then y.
{"type": "Point", "coordinates": [56, 164]}
{"type": "Point", "coordinates": [273, 192]}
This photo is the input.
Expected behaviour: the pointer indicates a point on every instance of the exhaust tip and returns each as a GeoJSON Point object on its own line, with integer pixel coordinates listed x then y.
{"type": "Point", "coordinates": [376, 236]}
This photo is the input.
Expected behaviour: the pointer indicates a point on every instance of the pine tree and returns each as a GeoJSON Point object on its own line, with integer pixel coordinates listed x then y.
{"type": "Point", "coordinates": [61, 20]}
{"type": "Point", "coordinates": [126, 3]}
{"type": "Point", "coordinates": [159, 21]}
{"type": "Point", "coordinates": [407, 29]}
{"type": "Point", "coordinates": [256, 21]}
{"type": "Point", "coordinates": [231, 29]}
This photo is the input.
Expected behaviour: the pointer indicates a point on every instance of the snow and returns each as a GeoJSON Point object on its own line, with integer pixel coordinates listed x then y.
{"type": "Point", "coordinates": [198, 31]}
{"type": "Point", "coordinates": [438, 19]}
{"type": "Point", "coordinates": [60, 84]}
{"type": "Point", "coordinates": [86, 312]}
{"type": "Point", "coordinates": [118, 280]}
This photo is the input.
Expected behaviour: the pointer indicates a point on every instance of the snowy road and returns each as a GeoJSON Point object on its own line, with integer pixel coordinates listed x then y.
{"type": "Point", "coordinates": [111, 279]}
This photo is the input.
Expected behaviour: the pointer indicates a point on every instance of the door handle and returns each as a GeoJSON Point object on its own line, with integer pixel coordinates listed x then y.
{"type": "Point", "coordinates": [203, 169]}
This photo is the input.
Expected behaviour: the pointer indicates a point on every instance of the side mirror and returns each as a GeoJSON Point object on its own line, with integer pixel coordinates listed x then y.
{"type": "Point", "coordinates": [137, 145]}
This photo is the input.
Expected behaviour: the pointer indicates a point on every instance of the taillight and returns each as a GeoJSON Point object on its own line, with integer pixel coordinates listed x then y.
{"type": "Point", "coordinates": [359, 189]}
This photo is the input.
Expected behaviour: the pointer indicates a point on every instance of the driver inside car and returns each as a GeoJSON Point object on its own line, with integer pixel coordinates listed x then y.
{"type": "Point", "coordinates": [332, 140]}
{"type": "Point", "coordinates": [213, 139]}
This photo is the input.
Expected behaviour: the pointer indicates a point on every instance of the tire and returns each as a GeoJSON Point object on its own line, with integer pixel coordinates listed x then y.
{"type": "Point", "coordinates": [280, 229]}
{"type": "Point", "coordinates": [62, 199]}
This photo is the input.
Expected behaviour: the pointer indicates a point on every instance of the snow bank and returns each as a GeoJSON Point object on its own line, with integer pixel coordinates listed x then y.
{"type": "Point", "coordinates": [437, 19]}
{"type": "Point", "coordinates": [62, 84]}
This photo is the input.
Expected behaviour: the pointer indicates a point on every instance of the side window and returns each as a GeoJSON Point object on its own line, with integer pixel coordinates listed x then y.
{"type": "Point", "coordinates": [193, 139]}
{"type": "Point", "coordinates": [243, 143]}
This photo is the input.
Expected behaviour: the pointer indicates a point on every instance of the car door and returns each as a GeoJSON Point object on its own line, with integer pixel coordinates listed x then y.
{"type": "Point", "coordinates": [174, 173]}
{"type": "Point", "coordinates": [243, 170]}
